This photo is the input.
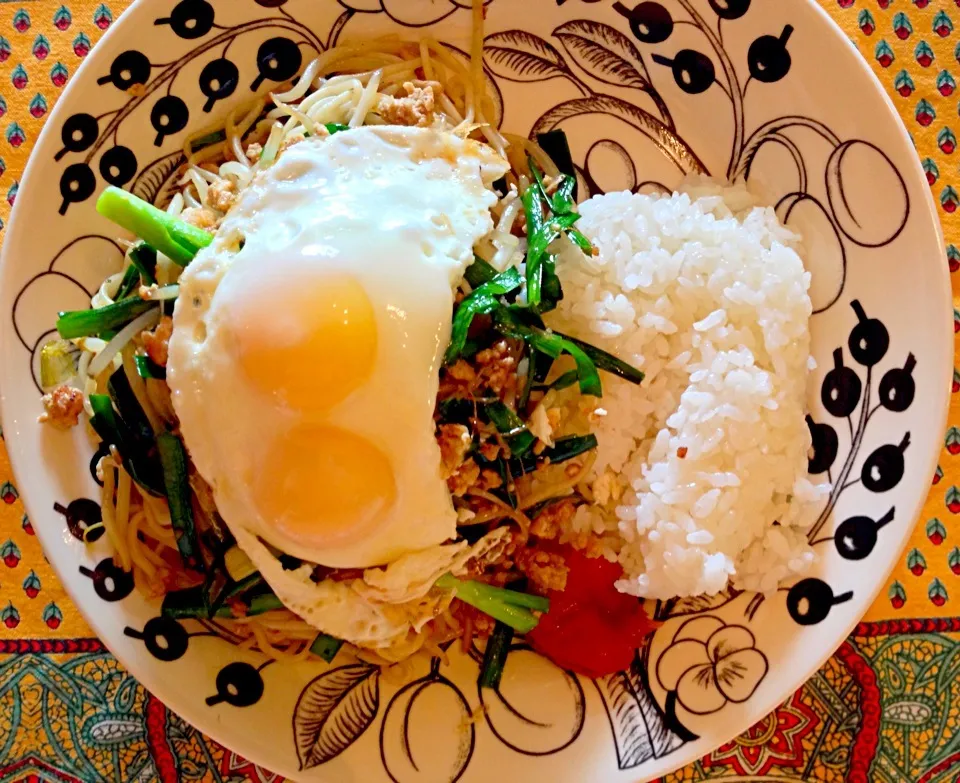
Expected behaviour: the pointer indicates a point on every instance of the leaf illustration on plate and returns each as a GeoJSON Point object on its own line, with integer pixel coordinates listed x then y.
{"type": "Point", "coordinates": [671, 145]}
{"type": "Point", "coordinates": [696, 604]}
{"type": "Point", "coordinates": [604, 52]}
{"type": "Point", "coordinates": [333, 711]}
{"type": "Point", "coordinates": [520, 56]}
{"type": "Point", "coordinates": [156, 183]}
{"type": "Point", "coordinates": [609, 56]}
{"type": "Point", "coordinates": [640, 730]}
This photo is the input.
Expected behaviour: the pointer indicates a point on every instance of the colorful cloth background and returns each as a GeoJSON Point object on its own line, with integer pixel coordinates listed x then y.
{"type": "Point", "coordinates": [885, 708]}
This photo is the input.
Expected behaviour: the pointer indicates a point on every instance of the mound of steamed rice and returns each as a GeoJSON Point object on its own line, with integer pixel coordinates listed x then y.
{"type": "Point", "coordinates": [702, 470]}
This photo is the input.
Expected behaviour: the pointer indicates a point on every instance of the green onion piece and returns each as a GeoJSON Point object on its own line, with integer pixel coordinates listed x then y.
{"type": "Point", "coordinates": [482, 301]}
{"type": "Point", "coordinates": [563, 449]}
{"type": "Point", "coordinates": [495, 656]}
{"type": "Point", "coordinates": [326, 647]}
{"type": "Point", "coordinates": [113, 317]}
{"type": "Point", "coordinates": [507, 606]}
{"type": "Point", "coordinates": [565, 381]}
{"type": "Point", "coordinates": [113, 431]}
{"type": "Point", "coordinates": [552, 344]}
{"type": "Point", "coordinates": [130, 409]}
{"type": "Point", "coordinates": [580, 240]}
{"type": "Point", "coordinates": [261, 604]}
{"type": "Point", "coordinates": [147, 368]}
{"type": "Point", "coordinates": [58, 363]}
{"type": "Point", "coordinates": [129, 283]}
{"type": "Point", "coordinates": [511, 426]}
{"type": "Point", "coordinates": [173, 458]}
{"type": "Point", "coordinates": [479, 272]}
{"type": "Point", "coordinates": [144, 259]}
{"type": "Point", "coordinates": [205, 141]}
{"type": "Point", "coordinates": [563, 200]}
{"type": "Point", "coordinates": [216, 587]}
{"type": "Point", "coordinates": [187, 604]}
{"type": "Point", "coordinates": [607, 362]}
{"type": "Point", "coordinates": [253, 582]}
{"type": "Point", "coordinates": [335, 127]}
{"type": "Point", "coordinates": [176, 239]}
{"type": "Point", "coordinates": [539, 237]}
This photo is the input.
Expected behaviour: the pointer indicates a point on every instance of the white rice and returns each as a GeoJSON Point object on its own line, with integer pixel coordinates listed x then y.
{"type": "Point", "coordinates": [706, 293]}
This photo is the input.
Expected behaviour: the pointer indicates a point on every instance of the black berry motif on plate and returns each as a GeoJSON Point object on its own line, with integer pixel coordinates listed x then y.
{"type": "Point", "coordinates": [278, 59]}
{"type": "Point", "coordinates": [809, 601]}
{"type": "Point", "coordinates": [239, 684]}
{"type": "Point", "coordinates": [81, 515]}
{"type": "Point", "coordinates": [109, 582]}
{"type": "Point", "coordinates": [165, 638]}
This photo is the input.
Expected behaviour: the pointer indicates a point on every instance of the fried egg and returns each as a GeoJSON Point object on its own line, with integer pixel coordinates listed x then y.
{"type": "Point", "coordinates": [307, 342]}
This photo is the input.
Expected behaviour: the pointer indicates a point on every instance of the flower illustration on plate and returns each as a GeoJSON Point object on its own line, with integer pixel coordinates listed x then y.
{"type": "Point", "coordinates": [710, 663]}
{"type": "Point", "coordinates": [410, 13]}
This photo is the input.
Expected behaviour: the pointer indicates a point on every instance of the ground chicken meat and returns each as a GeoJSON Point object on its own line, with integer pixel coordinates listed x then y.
{"type": "Point", "coordinates": [463, 478]}
{"type": "Point", "coordinates": [553, 519]}
{"type": "Point", "coordinates": [498, 368]}
{"type": "Point", "coordinates": [545, 570]}
{"type": "Point", "coordinates": [201, 217]}
{"type": "Point", "coordinates": [457, 380]}
{"type": "Point", "coordinates": [254, 151]}
{"type": "Point", "coordinates": [417, 108]}
{"type": "Point", "coordinates": [156, 343]}
{"type": "Point", "coordinates": [222, 195]}
{"type": "Point", "coordinates": [62, 407]}
{"type": "Point", "coordinates": [454, 440]}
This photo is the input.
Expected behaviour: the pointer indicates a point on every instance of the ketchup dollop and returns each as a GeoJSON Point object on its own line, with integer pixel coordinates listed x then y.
{"type": "Point", "coordinates": [591, 628]}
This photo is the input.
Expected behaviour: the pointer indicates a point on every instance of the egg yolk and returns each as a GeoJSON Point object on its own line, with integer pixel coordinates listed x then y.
{"type": "Point", "coordinates": [310, 344]}
{"type": "Point", "coordinates": [322, 484]}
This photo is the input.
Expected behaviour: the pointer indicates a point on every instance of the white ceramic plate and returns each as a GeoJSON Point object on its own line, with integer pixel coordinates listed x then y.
{"type": "Point", "coordinates": [647, 92]}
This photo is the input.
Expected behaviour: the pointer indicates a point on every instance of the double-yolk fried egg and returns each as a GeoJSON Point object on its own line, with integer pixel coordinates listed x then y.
{"type": "Point", "coordinates": [308, 337]}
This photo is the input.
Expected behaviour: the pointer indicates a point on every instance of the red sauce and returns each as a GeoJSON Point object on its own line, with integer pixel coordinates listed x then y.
{"type": "Point", "coordinates": [591, 628]}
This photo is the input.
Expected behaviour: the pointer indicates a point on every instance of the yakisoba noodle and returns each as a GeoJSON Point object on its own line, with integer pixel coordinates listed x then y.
{"type": "Point", "coordinates": [344, 86]}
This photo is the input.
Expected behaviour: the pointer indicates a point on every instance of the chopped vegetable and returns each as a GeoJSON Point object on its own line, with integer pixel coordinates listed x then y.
{"type": "Point", "coordinates": [129, 283]}
{"type": "Point", "coordinates": [238, 564]}
{"type": "Point", "coordinates": [147, 368]}
{"type": "Point", "coordinates": [58, 363]}
{"type": "Point", "coordinates": [177, 240]}
{"type": "Point", "coordinates": [89, 323]}
{"type": "Point", "coordinates": [113, 431]}
{"type": "Point", "coordinates": [191, 603]}
{"type": "Point", "coordinates": [205, 141]}
{"type": "Point", "coordinates": [507, 606]}
{"type": "Point", "coordinates": [335, 127]}
{"type": "Point", "coordinates": [129, 408]}
{"type": "Point", "coordinates": [607, 362]}
{"type": "Point", "coordinates": [216, 587]}
{"type": "Point", "coordinates": [173, 457]}
{"type": "Point", "coordinates": [552, 344]}
{"type": "Point", "coordinates": [495, 656]}
{"type": "Point", "coordinates": [539, 236]}
{"type": "Point", "coordinates": [479, 272]}
{"type": "Point", "coordinates": [511, 426]}
{"type": "Point", "coordinates": [326, 647]}
{"type": "Point", "coordinates": [482, 301]}
{"type": "Point", "coordinates": [144, 259]}
{"type": "Point", "coordinates": [563, 450]}
{"type": "Point", "coordinates": [565, 381]}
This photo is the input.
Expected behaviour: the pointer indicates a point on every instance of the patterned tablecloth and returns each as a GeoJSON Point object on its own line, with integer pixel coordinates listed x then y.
{"type": "Point", "coordinates": [885, 708]}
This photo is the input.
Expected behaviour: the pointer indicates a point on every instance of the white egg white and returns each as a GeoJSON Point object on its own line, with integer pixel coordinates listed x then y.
{"type": "Point", "coordinates": [401, 210]}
